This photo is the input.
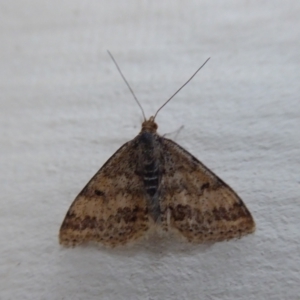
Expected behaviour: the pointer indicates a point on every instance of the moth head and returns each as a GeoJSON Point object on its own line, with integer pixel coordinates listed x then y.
{"type": "Point", "coordinates": [149, 125]}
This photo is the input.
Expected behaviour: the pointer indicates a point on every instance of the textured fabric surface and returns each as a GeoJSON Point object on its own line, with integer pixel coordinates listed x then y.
{"type": "Point", "coordinates": [64, 111]}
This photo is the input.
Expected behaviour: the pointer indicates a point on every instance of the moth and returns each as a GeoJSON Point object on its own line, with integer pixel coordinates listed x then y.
{"type": "Point", "coordinates": [151, 183]}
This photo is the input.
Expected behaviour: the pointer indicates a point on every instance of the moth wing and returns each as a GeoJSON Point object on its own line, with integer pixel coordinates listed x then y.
{"type": "Point", "coordinates": [111, 208]}
{"type": "Point", "coordinates": [198, 204]}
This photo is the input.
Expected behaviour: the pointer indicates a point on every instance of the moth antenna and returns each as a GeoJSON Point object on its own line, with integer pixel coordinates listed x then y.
{"type": "Point", "coordinates": [181, 87]}
{"type": "Point", "coordinates": [135, 98]}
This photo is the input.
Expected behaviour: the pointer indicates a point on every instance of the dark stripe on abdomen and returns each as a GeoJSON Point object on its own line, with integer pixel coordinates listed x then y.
{"type": "Point", "coordinates": [151, 178]}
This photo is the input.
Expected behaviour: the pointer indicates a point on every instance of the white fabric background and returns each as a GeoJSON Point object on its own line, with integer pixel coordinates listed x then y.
{"type": "Point", "coordinates": [64, 111]}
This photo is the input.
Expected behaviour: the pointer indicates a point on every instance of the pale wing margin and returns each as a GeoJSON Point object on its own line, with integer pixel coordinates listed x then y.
{"type": "Point", "coordinates": [111, 208]}
{"type": "Point", "coordinates": [198, 204]}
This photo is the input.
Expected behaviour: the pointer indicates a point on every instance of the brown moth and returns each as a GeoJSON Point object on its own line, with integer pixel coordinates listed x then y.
{"type": "Point", "coordinates": [153, 183]}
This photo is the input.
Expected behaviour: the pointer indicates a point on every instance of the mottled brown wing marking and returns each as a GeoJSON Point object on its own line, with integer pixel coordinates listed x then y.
{"type": "Point", "coordinates": [111, 208]}
{"type": "Point", "coordinates": [196, 203]}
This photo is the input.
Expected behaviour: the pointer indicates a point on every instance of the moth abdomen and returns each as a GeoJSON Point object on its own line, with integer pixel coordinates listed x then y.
{"type": "Point", "coordinates": [151, 178]}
